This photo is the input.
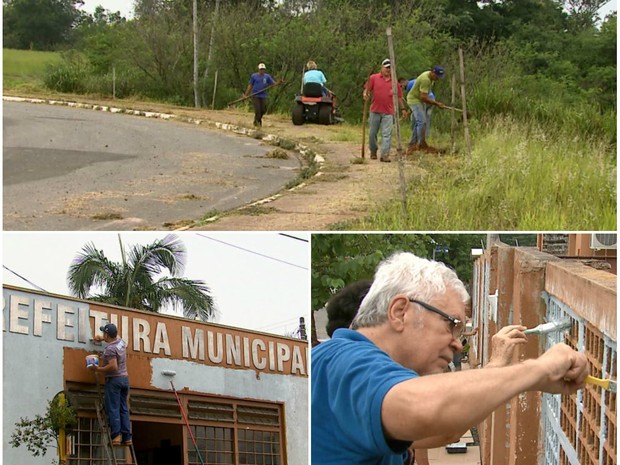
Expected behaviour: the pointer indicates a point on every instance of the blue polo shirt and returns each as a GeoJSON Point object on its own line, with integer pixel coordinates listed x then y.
{"type": "Point", "coordinates": [259, 83]}
{"type": "Point", "coordinates": [350, 378]}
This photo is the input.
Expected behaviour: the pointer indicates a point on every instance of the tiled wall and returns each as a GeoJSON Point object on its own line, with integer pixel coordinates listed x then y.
{"type": "Point", "coordinates": [525, 286]}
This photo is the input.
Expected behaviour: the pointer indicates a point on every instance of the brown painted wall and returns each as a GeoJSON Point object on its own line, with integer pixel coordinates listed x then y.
{"type": "Point", "coordinates": [511, 435]}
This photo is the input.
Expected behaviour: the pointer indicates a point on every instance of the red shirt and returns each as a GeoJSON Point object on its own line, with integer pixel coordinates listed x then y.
{"type": "Point", "coordinates": [381, 88]}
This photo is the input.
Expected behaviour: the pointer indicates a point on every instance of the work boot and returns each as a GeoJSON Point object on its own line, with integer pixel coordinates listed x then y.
{"type": "Point", "coordinates": [116, 440]}
{"type": "Point", "coordinates": [373, 155]}
{"type": "Point", "coordinates": [412, 148]}
{"type": "Point", "coordinates": [386, 159]}
{"type": "Point", "coordinates": [127, 442]}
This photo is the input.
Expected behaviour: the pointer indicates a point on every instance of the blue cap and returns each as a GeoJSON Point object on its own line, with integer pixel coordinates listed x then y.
{"type": "Point", "coordinates": [438, 70]}
{"type": "Point", "coordinates": [109, 329]}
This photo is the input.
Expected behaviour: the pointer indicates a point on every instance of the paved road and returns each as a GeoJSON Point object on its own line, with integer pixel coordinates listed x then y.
{"type": "Point", "coordinates": [75, 169]}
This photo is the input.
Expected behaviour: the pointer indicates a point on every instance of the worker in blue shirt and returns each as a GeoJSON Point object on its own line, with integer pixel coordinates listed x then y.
{"type": "Point", "coordinates": [370, 399]}
{"type": "Point", "coordinates": [257, 87]}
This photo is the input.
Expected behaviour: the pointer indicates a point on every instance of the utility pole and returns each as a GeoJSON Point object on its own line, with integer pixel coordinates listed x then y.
{"type": "Point", "coordinates": [195, 34]}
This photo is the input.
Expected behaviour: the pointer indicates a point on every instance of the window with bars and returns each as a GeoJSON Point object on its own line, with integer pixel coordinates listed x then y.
{"type": "Point", "coordinates": [215, 444]}
{"type": "Point", "coordinates": [259, 447]}
{"type": "Point", "coordinates": [252, 436]}
{"type": "Point", "coordinates": [227, 432]}
{"type": "Point", "coordinates": [85, 444]}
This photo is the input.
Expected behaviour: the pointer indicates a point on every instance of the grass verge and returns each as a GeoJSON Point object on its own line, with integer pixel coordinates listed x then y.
{"type": "Point", "coordinates": [518, 178]}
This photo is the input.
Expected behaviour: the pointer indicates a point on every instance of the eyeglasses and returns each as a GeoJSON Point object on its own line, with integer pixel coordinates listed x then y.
{"type": "Point", "coordinates": [456, 325]}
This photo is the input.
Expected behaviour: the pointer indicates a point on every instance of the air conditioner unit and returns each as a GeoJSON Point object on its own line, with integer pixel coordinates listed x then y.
{"type": "Point", "coordinates": [603, 241]}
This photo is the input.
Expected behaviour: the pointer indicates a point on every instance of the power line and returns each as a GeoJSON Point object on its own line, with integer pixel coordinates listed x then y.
{"type": "Point", "coordinates": [294, 237]}
{"type": "Point", "coordinates": [279, 323]}
{"type": "Point", "coordinates": [21, 277]}
{"type": "Point", "coordinates": [252, 252]}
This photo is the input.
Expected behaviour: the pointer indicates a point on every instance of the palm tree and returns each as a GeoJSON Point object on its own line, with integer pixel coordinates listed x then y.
{"type": "Point", "coordinates": [131, 283]}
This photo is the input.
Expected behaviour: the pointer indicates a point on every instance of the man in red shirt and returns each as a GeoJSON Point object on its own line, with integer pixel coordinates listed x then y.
{"type": "Point", "coordinates": [382, 110]}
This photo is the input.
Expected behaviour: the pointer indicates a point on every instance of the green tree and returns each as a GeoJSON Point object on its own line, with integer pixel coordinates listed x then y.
{"type": "Point", "coordinates": [340, 259]}
{"type": "Point", "coordinates": [100, 36]}
{"type": "Point", "coordinates": [132, 282]}
{"type": "Point", "coordinates": [39, 24]}
{"type": "Point", "coordinates": [42, 431]}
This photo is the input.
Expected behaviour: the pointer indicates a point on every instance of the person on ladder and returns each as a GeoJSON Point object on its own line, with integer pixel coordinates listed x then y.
{"type": "Point", "coordinates": [116, 392]}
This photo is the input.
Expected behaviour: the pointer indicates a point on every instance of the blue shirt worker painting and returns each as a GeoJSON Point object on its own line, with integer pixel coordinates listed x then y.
{"type": "Point", "coordinates": [116, 391]}
{"type": "Point", "coordinates": [370, 397]}
{"type": "Point", "coordinates": [257, 87]}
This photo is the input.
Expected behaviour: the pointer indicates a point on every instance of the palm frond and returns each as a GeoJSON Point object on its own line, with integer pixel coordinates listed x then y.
{"type": "Point", "coordinates": [91, 268]}
{"type": "Point", "coordinates": [132, 284]}
{"type": "Point", "coordinates": [168, 253]}
{"type": "Point", "coordinates": [193, 296]}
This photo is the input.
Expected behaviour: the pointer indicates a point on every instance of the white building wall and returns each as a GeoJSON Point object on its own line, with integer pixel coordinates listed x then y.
{"type": "Point", "coordinates": [33, 375]}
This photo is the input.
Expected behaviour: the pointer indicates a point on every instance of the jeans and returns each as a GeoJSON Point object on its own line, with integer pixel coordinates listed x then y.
{"type": "Point", "coordinates": [115, 394]}
{"type": "Point", "coordinates": [420, 123]}
{"type": "Point", "coordinates": [386, 122]}
{"type": "Point", "coordinates": [260, 108]}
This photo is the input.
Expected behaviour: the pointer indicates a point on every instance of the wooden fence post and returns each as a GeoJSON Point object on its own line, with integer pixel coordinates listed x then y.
{"type": "Point", "coordinates": [453, 116]}
{"type": "Point", "coordinates": [214, 91]}
{"type": "Point", "coordinates": [399, 148]}
{"type": "Point", "coordinates": [464, 103]}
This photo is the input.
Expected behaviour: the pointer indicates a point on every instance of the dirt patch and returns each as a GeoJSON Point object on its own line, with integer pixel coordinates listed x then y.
{"type": "Point", "coordinates": [345, 188]}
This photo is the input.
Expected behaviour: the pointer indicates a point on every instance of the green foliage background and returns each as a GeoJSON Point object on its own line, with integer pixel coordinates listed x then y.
{"type": "Point", "coordinates": [340, 259]}
{"type": "Point", "coordinates": [540, 82]}
{"type": "Point", "coordinates": [546, 62]}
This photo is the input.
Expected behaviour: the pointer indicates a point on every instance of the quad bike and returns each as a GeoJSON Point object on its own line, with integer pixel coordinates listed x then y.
{"type": "Point", "coordinates": [313, 106]}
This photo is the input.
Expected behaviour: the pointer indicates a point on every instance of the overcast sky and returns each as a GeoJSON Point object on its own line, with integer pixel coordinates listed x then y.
{"type": "Point", "coordinates": [267, 292]}
{"type": "Point", "coordinates": [126, 6]}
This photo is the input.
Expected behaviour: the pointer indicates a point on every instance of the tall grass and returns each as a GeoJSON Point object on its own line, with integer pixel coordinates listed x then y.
{"type": "Point", "coordinates": [26, 68]}
{"type": "Point", "coordinates": [518, 178]}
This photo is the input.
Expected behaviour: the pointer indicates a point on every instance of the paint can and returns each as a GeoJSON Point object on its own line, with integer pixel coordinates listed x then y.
{"type": "Point", "coordinates": [92, 360]}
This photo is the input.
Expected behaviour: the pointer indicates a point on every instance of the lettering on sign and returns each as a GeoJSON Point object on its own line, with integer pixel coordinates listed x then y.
{"type": "Point", "coordinates": [74, 322]}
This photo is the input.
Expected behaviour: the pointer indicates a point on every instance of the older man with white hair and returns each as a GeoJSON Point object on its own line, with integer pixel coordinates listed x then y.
{"type": "Point", "coordinates": [370, 400]}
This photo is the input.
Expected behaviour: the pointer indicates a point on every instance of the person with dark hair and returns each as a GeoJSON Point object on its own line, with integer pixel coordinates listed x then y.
{"type": "Point", "coordinates": [343, 305]}
{"type": "Point", "coordinates": [370, 398]}
{"type": "Point", "coordinates": [116, 388]}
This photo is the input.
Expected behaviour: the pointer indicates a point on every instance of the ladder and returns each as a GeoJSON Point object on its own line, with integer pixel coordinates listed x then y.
{"type": "Point", "coordinates": [129, 453]}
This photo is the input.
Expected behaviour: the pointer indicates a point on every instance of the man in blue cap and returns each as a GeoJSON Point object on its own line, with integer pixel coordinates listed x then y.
{"type": "Point", "coordinates": [114, 366]}
{"type": "Point", "coordinates": [420, 101]}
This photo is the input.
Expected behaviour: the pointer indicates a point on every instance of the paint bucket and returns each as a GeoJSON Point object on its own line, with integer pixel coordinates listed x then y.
{"type": "Point", "coordinates": [92, 360]}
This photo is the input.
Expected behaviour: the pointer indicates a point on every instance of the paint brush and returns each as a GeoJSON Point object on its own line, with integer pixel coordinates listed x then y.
{"type": "Point", "coordinates": [607, 384]}
{"type": "Point", "coordinates": [550, 327]}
